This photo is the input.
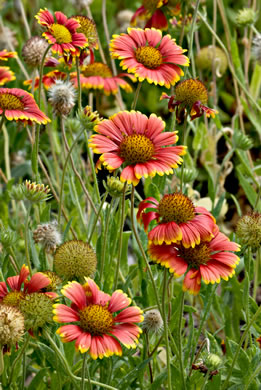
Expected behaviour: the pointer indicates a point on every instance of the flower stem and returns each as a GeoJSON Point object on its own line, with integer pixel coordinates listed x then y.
{"type": "Point", "coordinates": [164, 316]}
{"type": "Point", "coordinates": [2, 120]}
{"type": "Point", "coordinates": [97, 216]}
{"type": "Point", "coordinates": [121, 236]}
{"type": "Point", "coordinates": [105, 237]}
{"type": "Point", "coordinates": [20, 354]}
{"type": "Point", "coordinates": [83, 374]}
{"type": "Point", "coordinates": [26, 239]}
{"type": "Point", "coordinates": [191, 36]}
{"type": "Point", "coordinates": [2, 364]}
{"type": "Point", "coordinates": [79, 84]}
{"type": "Point", "coordinates": [90, 157]}
{"type": "Point", "coordinates": [41, 75]}
{"type": "Point", "coordinates": [256, 272]}
{"type": "Point", "coordinates": [142, 250]}
{"type": "Point", "coordinates": [134, 103]}
{"type": "Point", "coordinates": [180, 340]}
{"type": "Point", "coordinates": [253, 320]}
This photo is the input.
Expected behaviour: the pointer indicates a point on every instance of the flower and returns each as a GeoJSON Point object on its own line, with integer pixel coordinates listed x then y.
{"type": "Point", "coordinates": [48, 80]}
{"type": "Point", "coordinates": [99, 76]}
{"type": "Point", "coordinates": [75, 258]}
{"type": "Point", "coordinates": [151, 12]}
{"type": "Point", "coordinates": [189, 96]}
{"type": "Point", "coordinates": [33, 51]}
{"type": "Point", "coordinates": [123, 19]}
{"type": "Point", "coordinates": [61, 34]}
{"type": "Point", "coordinates": [257, 48]}
{"type": "Point", "coordinates": [11, 326]}
{"type": "Point", "coordinates": [258, 340]}
{"type": "Point", "coordinates": [152, 321]}
{"type": "Point", "coordinates": [209, 261]}
{"type": "Point", "coordinates": [87, 117]}
{"type": "Point", "coordinates": [48, 236]}
{"type": "Point", "coordinates": [4, 55]}
{"type": "Point", "coordinates": [97, 329]}
{"type": "Point", "coordinates": [88, 28]}
{"type": "Point", "coordinates": [62, 97]}
{"type": "Point", "coordinates": [210, 54]}
{"type": "Point", "coordinates": [6, 75]}
{"type": "Point", "coordinates": [248, 229]}
{"type": "Point", "coordinates": [19, 105]}
{"type": "Point", "coordinates": [133, 139]}
{"type": "Point", "coordinates": [149, 55]}
{"type": "Point", "coordinates": [177, 220]}
{"type": "Point", "coordinates": [16, 293]}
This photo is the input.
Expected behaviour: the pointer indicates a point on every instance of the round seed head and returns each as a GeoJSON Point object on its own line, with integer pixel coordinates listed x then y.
{"type": "Point", "coordinates": [33, 51]}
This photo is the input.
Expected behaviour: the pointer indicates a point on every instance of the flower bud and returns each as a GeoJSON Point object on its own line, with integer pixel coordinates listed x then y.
{"type": "Point", "coordinates": [245, 17]}
{"type": "Point", "coordinates": [213, 361]}
{"type": "Point", "coordinates": [189, 174]}
{"type": "Point", "coordinates": [114, 186]}
{"type": "Point", "coordinates": [89, 118]}
{"type": "Point", "coordinates": [35, 193]}
{"type": "Point", "coordinates": [152, 321]}
{"type": "Point", "coordinates": [8, 237]}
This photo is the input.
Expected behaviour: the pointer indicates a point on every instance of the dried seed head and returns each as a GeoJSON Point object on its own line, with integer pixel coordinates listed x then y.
{"type": "Point", "coordinates": [11, 325]}
{"type": "Point", "coordinates": [249, 230]}
{"type": "Point", "coordinates": [33, 51]}
{"type": "Point", "coordinates": [75, 259]}
{"type": "Point", "coordinates": [152, 321]}
{"type": "Point", "coordinates": [48, 236]}
{"type": "Point", "coordinates": [37, 309]}
{"type": "Point", "coordinates": [62, 97]}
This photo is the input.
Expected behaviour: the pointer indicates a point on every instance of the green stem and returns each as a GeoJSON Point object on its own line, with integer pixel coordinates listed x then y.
{"type": "Point", "coordinates": [41, 75]}
{"type": "Point", "coordinates": [90, 157]}
{"type": "Point", "coordinates": [20, 354]}
{"type": "Point", "coordinates": [105, 237]}
{"type": "Point", "coordinates": [83, 374]}
{"type": "Point", "coordinates": [24, 372]}
{"type": "Point", "coordinates": [67, 368]}
{"type": "Point", "coordinates": [79, 84]}
{"type": "Point", "coordinates": [26, 239]}
{"type": "Point", "coordinates": [164, 316]}
{"type": "Point", "coordinates": [2, 364]}
{"type": "Point", "coordinates": [2, 120]}
{"type": "Point", "coordinates": [248, 259]}
{"type": "Point", "coordinates": [191, 36]}
{"type": "Point", "coordinates": [257, 198]}
{"type": "Point", "coordinates": [253, 320]}
{"type": "Point", "coordinates": [121, 236]}
{"type": "Point", "coordinates": [142, 251]}
{"type": "Point", "coordinates": [182, 143]}
{"type": "Point", "coordinates": [253, 376]}
{"type": "Point", "coordinates": [256, 277]}
{"type": "Point", "coordinates": [180, 340]}
{"type": "Point", "coordinates": [136, 96]}
{"type": "Point", "coordinates": [97, 216]}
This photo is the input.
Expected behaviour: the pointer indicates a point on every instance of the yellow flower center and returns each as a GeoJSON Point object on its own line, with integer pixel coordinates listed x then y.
{"type": "Point", "coordinates": [88, 28]}
{"type": "Point", "coordinates": [97, 69]}
{"type": "Point", "coordinates": [149, 56]}
{"type": "Point", "coordinates": [10, 102]}
{"type": "Point", "coordinates": [195, 256]}
{"type": "Point", "coordinates": [190, 91]}
{"type": "Point", "coordinates": [136, 148]}
{"type": "Point", "coordinates": [96, 319]}
{"type": "Point", "coordinates": [176, 208]}
{"type": "Point", "coordinates": [61, 33]}
{"type": "Point", "coordinates": [13, 298]}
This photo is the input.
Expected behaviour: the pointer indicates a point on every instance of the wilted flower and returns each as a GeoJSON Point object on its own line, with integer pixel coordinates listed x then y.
{"type": "Point", "coordinates": [75, 259]}
{"type": "Point", "coordinates": [208, 55]}
{"type": "Point", "coordinates": [37, 310]}
{"type": "Point", "coordinates": [62, 97]}
{"type": "Point", "coordinates": [48, 236]}
{"type": "Point", "coordinates": [7, 36]}
{"type": "Point", "coordinates": [245, 17]}
{"type": "Point", "coordinates": [152, 321]}
{"type": "Point", "coordinates": [11, 326]}
{"type": "Point", "coordinates": [33, 51]}
{"type": "Point", "coordinates": [248, 229]}
{"type": "Point", "coordinates": [114, 186]}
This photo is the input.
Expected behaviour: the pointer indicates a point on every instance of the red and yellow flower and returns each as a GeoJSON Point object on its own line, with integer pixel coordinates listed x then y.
{"type": "Point", "coordinates": [209, 261]}
{"type": "Point", "coordinates": [149, 55]}
{"type": "Point", "coordinates": [4, 55]}
{"type": "Point", "coordinates": [178, 220]}
{"type": "Point", "coordinates": [20, 286]}
{"type": "Point", "coordinates": [61, 32]}
{"type": "Point", "coordinates": [190, 96]}
{"type": "Point", "coordinates": [48, 79]}
{"type": "Point", "coordinates": [97, 327]}
{"type": "Point", "coordinates": [151, 12]}
{"type": "Point", "coordinates": [19, 105]}
{"type": "Point", "coordinates": [99, 76]}
{"type": "Point", "coordinates": [6, 75]}
{"type": "Point", "coordinates": [136, 142]}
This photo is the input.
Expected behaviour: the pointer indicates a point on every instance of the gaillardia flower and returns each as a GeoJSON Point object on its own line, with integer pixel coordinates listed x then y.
{"type": "Point", "coordinates": [4, 55]}
{"type": "Point", "coordinates": [48, 80]}
{"type": "Point", "coordinates": [177, 220]}
{"type": "Point", "coordinates": [149, 55]}
{"type": "Point", "coordinates": [16, 293]}
{"type": "Point", "coordinates": [88, 28]}
{"type": "Point", "coordinates": [61, 33]}
{"type": "Point", "coordinates": [19, 105]}
{"type": "Point", "coordinates": [209, 261]}
{"type": "Point", "coordinates": [99, 76]}
{"type": "Point", "coordinates": [98, 329]}
{"type": "Point", "coordinates": [6, 75]}
{"type": "Point", "coordinates": [189, 97]}
{"type": "Point", "coordinates": [138, 143]}
{"type": "Point", "coordinates": [151, 12]}
{"type": "Point", "coordinates": [75, 259]}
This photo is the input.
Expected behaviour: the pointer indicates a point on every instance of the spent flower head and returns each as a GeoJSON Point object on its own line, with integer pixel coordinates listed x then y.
{"type": "Point", "coordinates": [211, 55]}
{"type": "Point", "coordinates": [75, 259]}
{"type": "Point", "coordinates": [11, 326]}
{"type": "Point", "coordinates": [62, 97]}
{"type": "Point", "coordinates": [37, 310]}
{"type": "Point", "coordinates": [48, 236]}
{"type": "Point", "coordinates": [248, 229]}
{"type": "Point", "coordinates": [114, 186]}
{"type": "Point", "coordinates": [33, 51]}
{"type": "Point", "coordinates": [152, 321]}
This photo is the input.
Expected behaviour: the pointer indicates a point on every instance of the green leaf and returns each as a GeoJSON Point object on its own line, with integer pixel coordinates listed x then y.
{"type": "Point", "coordinates": [200, 140]}
{"type": "Point", "coordinates": [247, 187]}
{"type": "Point", "coordinates": [37, 382]}
{"type": "Point", "coordinates": [67, 228]}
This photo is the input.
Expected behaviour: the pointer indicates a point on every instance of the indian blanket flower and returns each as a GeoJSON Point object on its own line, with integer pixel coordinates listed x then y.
{"type": "Point", "coordinates": [19, 105]}
{"type": "Point", "coordinates": [20, 286]}
{"type": "Point", "coordinates": [136, 142]}
{"type": "Point", "coordinates": [4, 55]}
{"type": "Point", "coordinates": [149, 55]}
{"type": "Point", "coordinates": [48, 79]}
{"type": "Point", "coordinates": [178, 220]}
{"type": "Point", "coordinates": [100, 321]}
{"type": "Point", "coordinates": [209, 261]}
{"type": "Point", "coordinates": [99, 76]}
{"type": "Point", "coordinates": [6, 75]}
{"type": "Point", "coordinates": [151, 12]}
{"type": "Point", "coordinates": [61, 32]}
{"type": "Point", "coordinates": [88, 28]}
{"type": "Point", "coordinates": [190, 96]}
